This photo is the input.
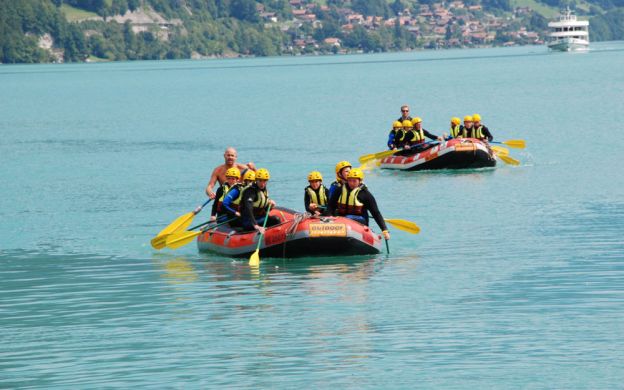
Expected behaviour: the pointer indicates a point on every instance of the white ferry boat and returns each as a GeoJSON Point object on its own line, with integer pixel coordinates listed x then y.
{"type": "Point", "coordinates": [568, 34]}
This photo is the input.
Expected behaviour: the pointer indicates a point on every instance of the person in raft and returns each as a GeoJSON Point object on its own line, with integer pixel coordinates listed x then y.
{"type": "Point", "coordinates": [342, 170]}
{"type": "Point", "coordinates": [456, 129]}
{"type": "Point", "coordinates": [394, 138]}
{"type": "Point", "coordinates": [466, 129]}
{"type": "Point", "coordinates": [416, 136]}
{"type": "Point", "coordinates": [255, 202]}
{"type": "Point", "coordinates": [232, 200]}
{"type": "Point", "coordinates": [404, 114]}
{"type": "Point", "coordinates": [480, 131]}
{"type": "Point", "coordinates": [232, 176]}
{"type": "Point", "coordinates": [315, 198]}
{"type": "Point", "coordinates": [354, 201]}
{"type": "Point", "coordinates": [218, 174]}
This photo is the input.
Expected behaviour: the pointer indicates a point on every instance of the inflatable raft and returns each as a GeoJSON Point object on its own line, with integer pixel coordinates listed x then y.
{"type": "Point", "coordinates": [453, 154]}
{"type": "Point", "coordinates": [297, 235]}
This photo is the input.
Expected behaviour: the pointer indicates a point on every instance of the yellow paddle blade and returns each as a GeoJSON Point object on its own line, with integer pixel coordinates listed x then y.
{"type": "Point", "coordinates": [159, 242]}
{"type": "Point", "coordinates": [176, 240]}
{"type": "Point", "coordinates": [508, 160]}
{"type": "Point", "coordinates": [182, 222]}
{"type": "Point", "coordinates": [385, 153]}
{"type": "Point", "coordinates": [375, 156]}
{"type": "Point", "coordinates": [500, 151]}
{"type": "Point", "coordinates": [366, 158]}
{"type": "Point", "coordinates": [254, 259]}
{"type": "Point", "coordinates": [404, 225]}
{"type": "Point", "coordinates": [515, 143]}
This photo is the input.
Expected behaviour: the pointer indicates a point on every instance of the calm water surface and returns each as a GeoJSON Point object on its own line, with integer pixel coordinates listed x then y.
{"type": "Point", "coordinates": [516, 280]}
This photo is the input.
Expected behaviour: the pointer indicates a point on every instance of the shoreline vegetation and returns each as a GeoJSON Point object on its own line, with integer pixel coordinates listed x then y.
{"type": "Point", "coordinates": [44, 31]}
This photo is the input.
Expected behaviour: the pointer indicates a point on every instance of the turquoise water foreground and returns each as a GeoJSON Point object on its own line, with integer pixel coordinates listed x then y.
{"type": "Point", "coordinates": [516, 280]}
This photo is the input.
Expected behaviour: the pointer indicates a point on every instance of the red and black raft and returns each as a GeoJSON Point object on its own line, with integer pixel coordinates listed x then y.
{"type": "Point", "coordinates": [457, 153]}
{"type": "Point", "coordinates": [297, 235]}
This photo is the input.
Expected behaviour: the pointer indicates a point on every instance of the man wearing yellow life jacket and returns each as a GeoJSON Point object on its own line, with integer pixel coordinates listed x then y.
{"type": "Point", "coordinates": [354, 201]}
{"type": "Point", "coordinates": [395, 135]}
{"type": "Point", "coordinates": [480, 131]}
{"type": "Point", "coordinates": [416, 136]}
{"type": "Point", "coordinates": [231, 178]}
{"type": "Point", "coordinates": [466, 129]}
{"type": "Point", "coordinates": [232, 201]}
{"type": "Point", "coordinates": [315, 198]}
{"type": "Point", "coordinates": [342, 170]}
{"type": "Point", "coordinates": [255, 202]}
{"type": "Point", "coordinates": [455, 128]}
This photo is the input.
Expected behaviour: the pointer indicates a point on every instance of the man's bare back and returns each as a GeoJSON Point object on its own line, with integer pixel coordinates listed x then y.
{"type": "Point", "coordinates": [218, 174]}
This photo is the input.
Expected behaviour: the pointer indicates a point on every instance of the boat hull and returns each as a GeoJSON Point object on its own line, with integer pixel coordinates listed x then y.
{"type": "Point", "coordinates": [465, 153]}
{"type": "Point", "coordinates": [569, 45]}
{"type": "Point", "coordinates": [298, 235]}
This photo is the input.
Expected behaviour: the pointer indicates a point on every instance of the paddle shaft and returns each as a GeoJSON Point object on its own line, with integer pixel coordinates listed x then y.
{"type": "Point", "coordinates": [263, 226]}
{"type": "Point", "coordinates": [212, 227]}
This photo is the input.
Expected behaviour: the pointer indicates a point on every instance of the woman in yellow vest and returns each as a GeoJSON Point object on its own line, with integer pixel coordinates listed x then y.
{"type": "Point", "coordinates": [354, 201]}
{"type": "Point", "coordinates": [315, 198]}
{"type": "Point", "coordinates": [231, 178]}
{"type": "Point", "coordinates": [232, 200]}
{"type": "Point", "coordinates": [255, 202]}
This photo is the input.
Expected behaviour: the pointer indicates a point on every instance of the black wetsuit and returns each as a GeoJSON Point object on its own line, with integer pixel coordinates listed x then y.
{"type": "Point", "coordinates": [217, 209]}
{"type": "Point", "coordinates": [369, 205]}
{"type": "Point", "coordinates": [251, 217]}
{"type": "Point", "coordinates": [486, 133]}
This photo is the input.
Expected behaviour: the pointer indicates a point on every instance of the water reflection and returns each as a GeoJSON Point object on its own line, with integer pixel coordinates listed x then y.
{"type": "Point", "coordinates": [216, 269]}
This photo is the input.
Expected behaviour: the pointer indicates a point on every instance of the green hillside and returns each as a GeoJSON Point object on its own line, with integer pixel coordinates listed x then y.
{"type": "Point", "coordinates": [86, 30]}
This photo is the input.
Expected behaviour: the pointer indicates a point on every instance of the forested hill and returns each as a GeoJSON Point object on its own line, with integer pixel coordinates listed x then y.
{"type": "Point", "coordinates": [96, 30]}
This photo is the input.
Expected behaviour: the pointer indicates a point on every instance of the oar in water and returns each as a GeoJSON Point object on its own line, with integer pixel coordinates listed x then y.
{"type": "Point", "coordinates": [180, 223]}
{"type": "Point", "coordinates": [161, 242]}
{"type": "Point", "coordinates": [179, 239]}
{"type": "Point", "coordinates": [500, 151]}
{"type": "Point", "coordinates": [512, 143]}
{"type": "Point", "coordinates": [254, 259]}
{"type": "Point", "coordinates": [508, 160]}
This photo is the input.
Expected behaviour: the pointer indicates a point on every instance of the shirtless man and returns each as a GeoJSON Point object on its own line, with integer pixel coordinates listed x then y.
{"type": "Point", "coordinates": [218, 174]}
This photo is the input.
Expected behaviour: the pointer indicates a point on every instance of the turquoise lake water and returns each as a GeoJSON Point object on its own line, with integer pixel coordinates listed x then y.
{"type": "Point", "coordinates": [515, 281]}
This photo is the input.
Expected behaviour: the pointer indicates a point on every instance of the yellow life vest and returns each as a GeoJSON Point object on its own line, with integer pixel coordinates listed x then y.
{"type": "Point", "coordinates": [226, 188]}
{"type": "Point", "coordinates": [455, 131]}
{"type": "Point", "coordinates": [400, 135]}
{"type": "Point", "coordinates": [320, 200]}
{"type": "Point", "coordinates": [348, 203]}
{"type": "Point", "coordinates": [418, 136]}
{"type": "Point", "coordinates": [241, 189]}
{"type": "Point", "coordinates": [262, 202]}
{"type": "Point", "coordinates": [477, 133]}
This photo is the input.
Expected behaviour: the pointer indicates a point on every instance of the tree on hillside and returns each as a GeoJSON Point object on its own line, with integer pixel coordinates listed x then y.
{"type": "Point", "coordinates": [244, 10]}
{"type": "Point", "coordinates": [397, 6]}
{"type": "Point", "coordinates": [372, 7]}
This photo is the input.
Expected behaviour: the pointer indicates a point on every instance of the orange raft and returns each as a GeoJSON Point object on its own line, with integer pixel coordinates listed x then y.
{"type": "Point", "coordinates": [457, 153]}
{"type": "Point", "coordinates": [297, 235]}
